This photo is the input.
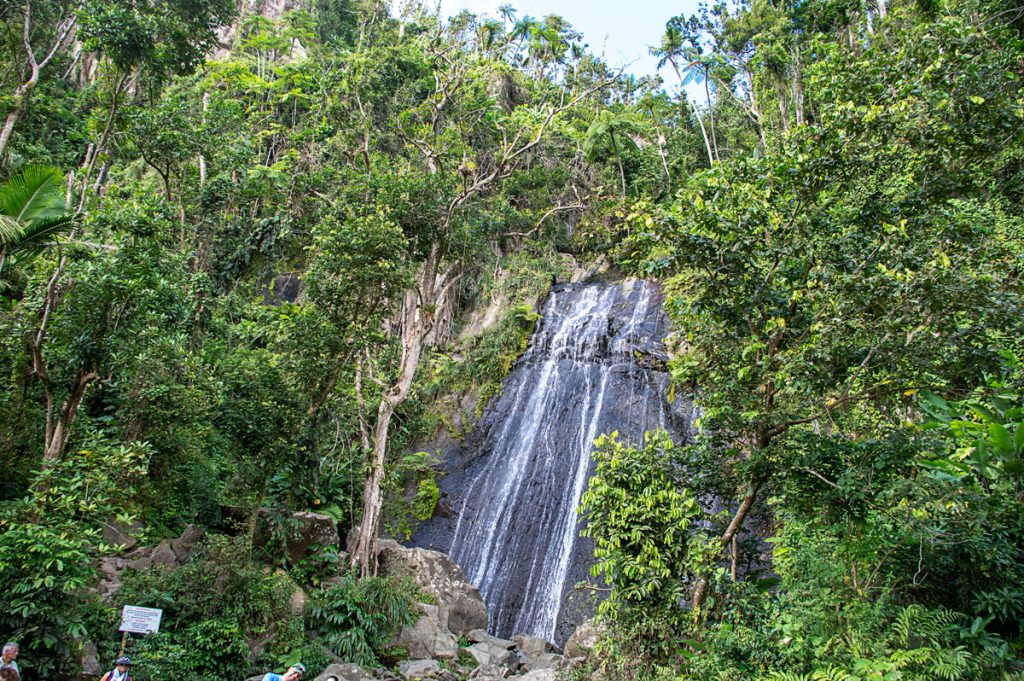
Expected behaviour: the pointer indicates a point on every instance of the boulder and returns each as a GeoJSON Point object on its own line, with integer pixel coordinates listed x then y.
{"type": "Point", "coordinates": [544, 661]}
{"type": "Point", "coordinates": [481, 653]}
{"type": "Point", "coordinates": [307, 530]}
{"type": "Point", "coordinates": [583, 639]}
{"type": "Point", "coordinates": [538, 675]}
{"type": "Point", "coordinates": [344, 672]}
{"type": "Point", "coordinates": [428, 637]}
{"type": "Point", "coordinates": [462, 607]}
{"type": "Point", "coordinates": [531, 645]}
{"type": "Point", "coordinates": [110, 575]}
{"type": "Point", "coordinates": [494, 660]}
{"type": "Point", "coordinates": [116, 533]}
{"type": "Point", "coordinates": [481, 636]}
{"type": "Point", "coordinates": [413, 670]}
{"type": "Point", "coordinates": [164, 555]}
{"type": "Point", "coordinates": [90, 660]}
{"type": "Point", "coordinates": [297, 602]}
{"type": "Point", "coordinates": [183, 545]}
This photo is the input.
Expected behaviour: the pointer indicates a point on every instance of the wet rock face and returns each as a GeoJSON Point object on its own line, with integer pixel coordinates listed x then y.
{"type": "Point", "coordinates": [595, 365]}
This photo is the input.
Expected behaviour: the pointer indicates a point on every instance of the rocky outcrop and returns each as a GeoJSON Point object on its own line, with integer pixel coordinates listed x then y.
{"type": "Point", "coordinates": [531, 645]}
{"type": "Point", "coordinates": [415, 670]}
{"type": "Point", "coordinates": [90, 661]}
{"type": "Point", "coordinates": [270, 9]}
{"type": "Point", "coordinates": [308, 531]}
{"type": "Point", "coordinates": [461, 608]}
{"type": "Point", "coordinates": [428, 637]}
{"type": "Point", "coordinates": [169, 554]}
{"type": "Point", "coordinates": [116, 533]}
{"type": "Point", "coordinates": [584, 639]}
{"type": "Point", "coordinates": [344, 672]}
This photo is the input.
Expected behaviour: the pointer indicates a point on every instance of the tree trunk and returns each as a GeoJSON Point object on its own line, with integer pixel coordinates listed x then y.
{"type": "Point", "coordinates": [798, 91]}
{"type": "Point", "coordinates": [61, 426]}
{"type": "Point", "coordinates": [65, 30]}
{"type": "Point", "coordinates": [700, 589]}
{"type": "Point", "coordinates": [416, 324]}
{"type": "Point", "coordinates": [707, 143]}
{"type": "Point", "coordinates": [711, 115]}
{"type": "Point", "coordinates": [20, 105]}
{"type": "Point", "coordinates": [618, 160]}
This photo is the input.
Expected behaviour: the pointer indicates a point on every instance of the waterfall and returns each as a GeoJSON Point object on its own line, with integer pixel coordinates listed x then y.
{"type": "Point", "coordinates": [595, 364]}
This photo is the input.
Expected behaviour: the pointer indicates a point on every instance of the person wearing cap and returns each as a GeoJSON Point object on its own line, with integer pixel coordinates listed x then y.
{"type": "Point", "coordinates": [120, 670]}
{"type": "Point", "coordinates": [294, 673]}
{"type": "Point", "coordinates": [8, 657]}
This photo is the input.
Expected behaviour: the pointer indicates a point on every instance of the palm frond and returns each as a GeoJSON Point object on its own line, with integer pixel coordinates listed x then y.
{"type": "Point", "coordinates": [34, 193]}
{"type": "Point", "coordinates": [10, 230]}
{"type": "Point", "coordinates": [41, 233]}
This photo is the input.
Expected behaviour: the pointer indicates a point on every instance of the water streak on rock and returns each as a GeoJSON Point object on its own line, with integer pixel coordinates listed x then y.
{"type": "Point", "coordinates": [595, 365]}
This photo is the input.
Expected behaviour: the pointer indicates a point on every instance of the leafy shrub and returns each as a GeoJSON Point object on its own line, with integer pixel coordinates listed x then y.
{"type": "Point", "coordinates": [44, 571]}
{"type": "Point", "coordinates": [356, 618]}
{"type": "Point", "coordinates": [213, 606]}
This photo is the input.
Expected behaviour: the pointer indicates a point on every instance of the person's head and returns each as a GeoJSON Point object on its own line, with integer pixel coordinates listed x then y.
{"type": "Point", "coordinates": [123, 663]}
{"type": "Point", "coordinates": [9, 674]}
{"type": "Point", "coordinates": [295, 672]}
{"type": "Point", "coordinates": [10, 651]}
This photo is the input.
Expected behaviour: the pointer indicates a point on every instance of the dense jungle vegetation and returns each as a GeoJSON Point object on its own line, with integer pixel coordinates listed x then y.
{"type": "Point", "coordinates": [237, 253]}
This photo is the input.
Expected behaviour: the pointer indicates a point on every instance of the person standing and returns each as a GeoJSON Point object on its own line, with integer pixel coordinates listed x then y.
{"type": "Point", "coordinates": [121, 669]}
{"type": "Point", "coordinates": [294, 673]}
{"type": "Point", "coordinates": [8, 657]}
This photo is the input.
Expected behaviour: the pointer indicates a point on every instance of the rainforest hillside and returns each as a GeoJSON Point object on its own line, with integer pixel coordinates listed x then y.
{"type": "Point", "coordinates": [258, 257]}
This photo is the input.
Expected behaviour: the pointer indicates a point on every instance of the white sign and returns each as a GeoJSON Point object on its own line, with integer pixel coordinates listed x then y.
{"type": "Point", "coordinates": [138, 620]}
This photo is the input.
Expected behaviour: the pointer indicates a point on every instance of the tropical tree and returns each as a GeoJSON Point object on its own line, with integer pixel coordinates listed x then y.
{"type": "Point", "coordinates": [673, 51]}
{"type": "Point", "coordinates": [609, 133]}
{"type": "Point", "coordinates": [33, 212]}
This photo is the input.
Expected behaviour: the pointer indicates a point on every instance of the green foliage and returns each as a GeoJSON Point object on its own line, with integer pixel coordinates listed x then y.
{"type": "Point", "coordinates": [639, 517]}
{"type": "Point", "coordinates": [427, 496]}
{"type": "Point", "coordinates": [991, 432]}
{"type": "Point", "coordinates": [212, 606]}
{"type": "Point", "coordinates": [170, 38]}
{"type": "Point", "coordinates": [33, 212]}
{"type": "Point", "coordinates": [50, 540]}
{"type": "Point", "coordinates": [837, 222]}
{"type": "Point", "coordinates": [357, 617]}
{"type": "Point", "coordinates": [44, 572]}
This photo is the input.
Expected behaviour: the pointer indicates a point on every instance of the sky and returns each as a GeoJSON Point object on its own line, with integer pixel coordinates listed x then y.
{"type": "Point", "coordinates": [620, 30]}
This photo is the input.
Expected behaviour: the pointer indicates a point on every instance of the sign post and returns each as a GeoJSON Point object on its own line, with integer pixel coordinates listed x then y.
{"type": "Point", "coordinates": [138, 620]}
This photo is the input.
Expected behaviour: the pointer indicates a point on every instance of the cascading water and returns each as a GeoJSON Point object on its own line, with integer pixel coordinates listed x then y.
{"type": "Point", "coordinates": [595, 365]}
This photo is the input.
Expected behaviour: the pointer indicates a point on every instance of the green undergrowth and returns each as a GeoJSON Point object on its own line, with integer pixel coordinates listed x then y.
{"type": "Point", "coordinates": [229, 616]}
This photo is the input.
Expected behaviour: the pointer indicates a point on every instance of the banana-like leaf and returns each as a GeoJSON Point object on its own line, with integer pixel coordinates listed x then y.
{"type": "Point", "coordinates": [1001, 439]}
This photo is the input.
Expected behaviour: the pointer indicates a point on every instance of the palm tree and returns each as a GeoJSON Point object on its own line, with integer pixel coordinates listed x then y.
{"type": "Point", "coordinates": [608, 133]}
{"type": "Point", "coordinates": [33, 211]}
{"type": "Point", "coordinates": [508, 13]}
{"type": "Point", "coordinates": [674, 51]}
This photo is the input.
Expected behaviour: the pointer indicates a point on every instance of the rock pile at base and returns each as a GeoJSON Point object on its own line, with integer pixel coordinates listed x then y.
{"type": "Point", "coordinates": [432, 642]}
